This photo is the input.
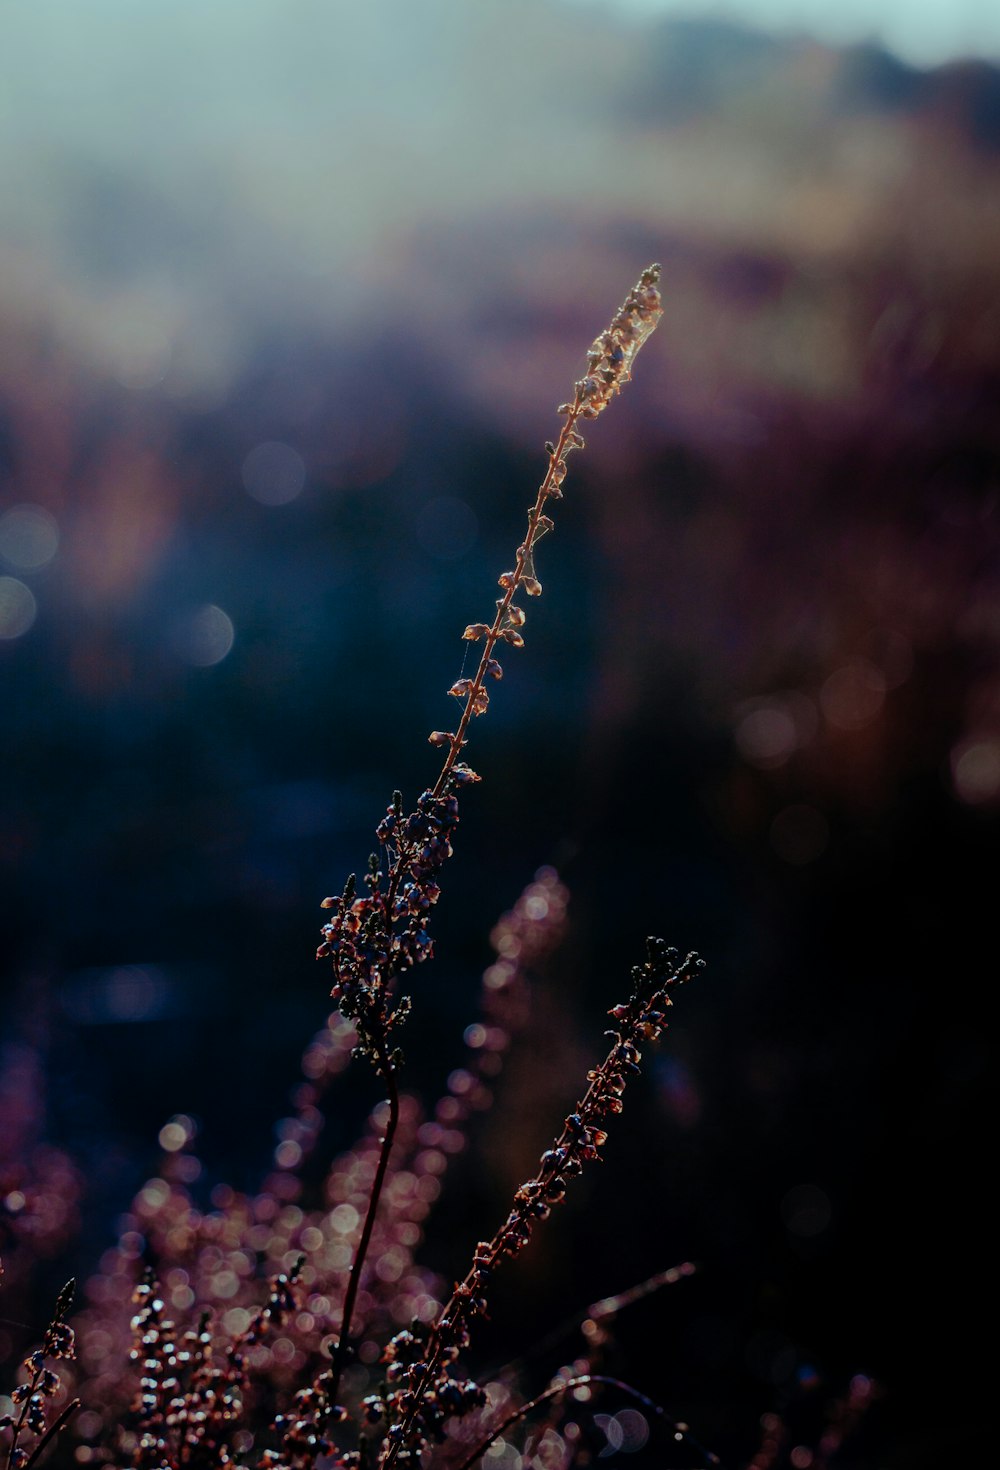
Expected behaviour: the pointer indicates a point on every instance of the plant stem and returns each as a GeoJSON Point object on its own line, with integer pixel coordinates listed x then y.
{"type": "Point", "coordinates": [19, 1425]}
{"type": "Point", "coordinates": [52, 1431]}
{"type": "Point", "coordinates": [353, 1285]}
{"type": "Point", "coordinates": [584, 1381]}
{"type": "Point", "coordinates": [555, 458]}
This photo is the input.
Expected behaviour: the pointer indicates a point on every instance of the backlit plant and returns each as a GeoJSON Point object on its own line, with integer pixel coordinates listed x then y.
{"type": "Point", "coordinates": [282, 1332]}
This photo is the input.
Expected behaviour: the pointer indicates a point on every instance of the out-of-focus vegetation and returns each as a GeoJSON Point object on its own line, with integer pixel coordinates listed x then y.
{"type": "Point", "coordinates": [286, 301]}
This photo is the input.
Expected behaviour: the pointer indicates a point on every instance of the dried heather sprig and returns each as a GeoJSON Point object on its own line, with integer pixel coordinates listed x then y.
{"type": "Point", "coordinates": [422, 1391]}
{"type": "Point", "coordinates": [39, 1390]}
{"type": "Point", "coordinates": [373, 940]}
{"type": "Point", "coordinates": [609, 367]}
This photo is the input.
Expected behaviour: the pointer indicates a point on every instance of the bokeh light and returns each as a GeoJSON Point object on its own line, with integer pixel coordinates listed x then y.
{"type": "Point", "coordinates": [806, 1210]}
{"type": "Point", "coordinates": [18, 608]}
{"type": "Point", "coordinates": [975, 769]}
{"type": "Point", "coordinates": [274, 473]}
{"type": "Point", "coordinates": [852, 696]}
{"type": "Point", "coordinates": [205, 637]}
{"type": "Point", "coordinates": [29, 537]}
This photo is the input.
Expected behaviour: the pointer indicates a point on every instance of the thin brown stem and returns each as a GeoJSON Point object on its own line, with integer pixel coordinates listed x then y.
{"type": "Point", "coordinates": [607, 1307]}
{"type": "Point", "coordinates": [583, 1381]}
{"type": "Point", "coordinates": [353, 1285]}
{"type": "Point", "coordinates": [52, 1431]}
{"type": "Point", "coordinates": [555, 458]}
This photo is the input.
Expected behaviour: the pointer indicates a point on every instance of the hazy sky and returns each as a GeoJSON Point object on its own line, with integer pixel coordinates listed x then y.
{"type": "Point", "coordinates": [924, 31]}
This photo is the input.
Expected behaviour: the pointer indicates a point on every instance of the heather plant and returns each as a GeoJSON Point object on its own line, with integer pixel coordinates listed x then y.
{"type": "Point", "coordinates": [222, 1379]}
{"type": "Point", "coordinates": [40, 1404]}
{"type": "Point", "coordinates": [294, 1327]}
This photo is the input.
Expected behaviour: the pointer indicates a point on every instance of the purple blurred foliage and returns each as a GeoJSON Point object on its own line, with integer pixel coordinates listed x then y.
{"type": "Point", "coordinates": [284, 313]}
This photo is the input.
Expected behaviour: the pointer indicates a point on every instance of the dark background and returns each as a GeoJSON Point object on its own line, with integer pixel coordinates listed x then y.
{"type": "Point", "coordinates": [759, 707]}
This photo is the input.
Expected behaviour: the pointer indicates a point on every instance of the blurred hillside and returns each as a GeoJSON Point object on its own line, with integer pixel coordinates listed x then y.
{"type": "Point", "coordinates": [286, 304]}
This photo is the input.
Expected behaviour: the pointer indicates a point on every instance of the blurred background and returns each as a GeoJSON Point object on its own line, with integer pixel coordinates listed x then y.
{"type": "Point", "coordinates": [288, 296]}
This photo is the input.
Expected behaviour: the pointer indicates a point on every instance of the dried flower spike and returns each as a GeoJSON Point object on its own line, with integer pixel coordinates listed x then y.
{"type": "Point", "coordinates": [414, 1410]}
{"type": "Point", "coordinates": [609, 364]}
{"type": "Point", "coordinates": [30, 1428]}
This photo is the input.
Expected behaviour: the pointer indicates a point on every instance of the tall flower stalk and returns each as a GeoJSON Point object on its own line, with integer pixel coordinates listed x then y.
{"type": "Point", "coordinates": [372, 940]}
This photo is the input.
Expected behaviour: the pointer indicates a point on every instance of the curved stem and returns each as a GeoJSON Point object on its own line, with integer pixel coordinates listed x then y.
{"type": "Point", "coordinates": [584, 1381]}
{"type": "Point", "coordinates": [52, 1431]}
{"type": "Point", "coordinates": [340, 1352]}
{"type": "Point", "coordinates": [607, 1307]}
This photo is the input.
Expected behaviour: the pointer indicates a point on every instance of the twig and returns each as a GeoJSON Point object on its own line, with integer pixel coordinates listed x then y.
{"type": "Point", "coordinates": [584, 1381]}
